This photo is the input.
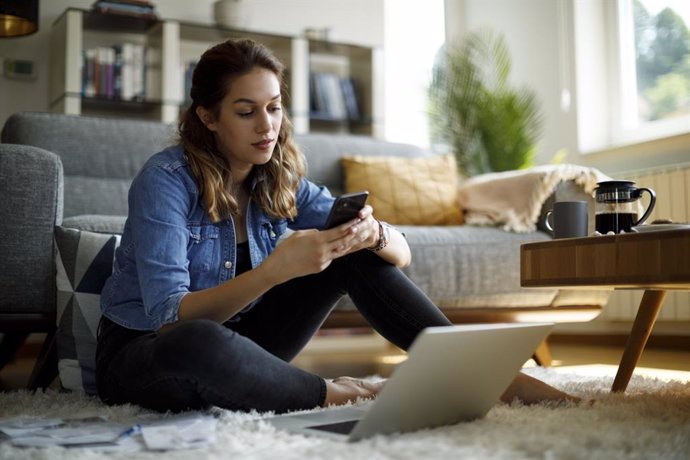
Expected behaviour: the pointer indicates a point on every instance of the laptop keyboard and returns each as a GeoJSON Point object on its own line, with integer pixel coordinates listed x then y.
{"type": "Point", "coordinates": [340, 427]}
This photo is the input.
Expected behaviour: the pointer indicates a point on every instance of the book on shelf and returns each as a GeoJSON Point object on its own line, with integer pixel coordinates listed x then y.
{"type": "Point", "coordinates": [126, 52]}
{"type": "Point", "coordinates": [106, 57]}
{"type": "Point", "coordinates": [137, 8]}
{"type": "Point", "coordinates": [187, 72]}
{"type": "Point", "coordinates": [124, 71]}
{"type": "Point", "coordinates": [351, 101]}
{"type": "Point", "coordinates": [98, 72]}
{"type": "Point", "coordinates": [88, 73]}
{"type": "Point", "coordinates": [143, 3]}
{"type": "Point", "coordinates": [333, 97]}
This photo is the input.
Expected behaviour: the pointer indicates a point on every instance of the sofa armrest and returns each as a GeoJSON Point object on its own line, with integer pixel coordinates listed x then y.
{"type": "Point", "coordinates": [30, 208]}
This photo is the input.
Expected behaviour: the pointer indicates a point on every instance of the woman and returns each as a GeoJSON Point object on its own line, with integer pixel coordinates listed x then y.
{"type": "Point", "coordinates": [204, 307]}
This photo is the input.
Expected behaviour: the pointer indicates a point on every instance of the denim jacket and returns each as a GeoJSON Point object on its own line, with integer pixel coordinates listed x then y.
{"type": "Point", "coordinates": [170, 247]}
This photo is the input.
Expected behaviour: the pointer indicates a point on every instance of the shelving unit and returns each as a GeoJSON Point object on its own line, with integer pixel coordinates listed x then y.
{"type": "Point", "coordinates": [178, 43]}
{"type": "Point", "coordinates": [360, 67]}
{"type": "Point", "coordinates": [78, 30]}
{"type": "Point", "coordinates": [197, 38]}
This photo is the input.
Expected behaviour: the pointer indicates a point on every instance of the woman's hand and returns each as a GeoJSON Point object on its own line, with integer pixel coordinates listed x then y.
{"type": "Point", "coordinates": [303, 253]}
{"type": "Point", "coordinates": [362, 233]}
{"type": "Point", "coordinates": [396, 252]}
{"type": "Point", "coordinates": [311, 251]}
{"type": "Point", "coordinates": [306, 252]}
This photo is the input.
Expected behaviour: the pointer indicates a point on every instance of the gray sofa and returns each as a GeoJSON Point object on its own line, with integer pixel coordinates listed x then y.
{"type": "Point", "coordinates": [75, 171]}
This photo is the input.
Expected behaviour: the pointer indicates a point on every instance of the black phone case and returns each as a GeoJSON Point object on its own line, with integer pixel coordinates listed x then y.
{"type": "Point", "coordinates": [345, 208]}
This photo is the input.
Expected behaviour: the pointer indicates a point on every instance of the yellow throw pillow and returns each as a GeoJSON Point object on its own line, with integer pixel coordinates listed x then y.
{"type": "Point", "coordinates": [407, 191]}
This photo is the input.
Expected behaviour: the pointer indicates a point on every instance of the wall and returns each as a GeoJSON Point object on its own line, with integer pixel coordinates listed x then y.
{"type": "Point", "coordinates": [530, 28]}
{"type": "Point", "coordinates": [537, 34]}
{"type": "Point", "coordinates": [355, 21]}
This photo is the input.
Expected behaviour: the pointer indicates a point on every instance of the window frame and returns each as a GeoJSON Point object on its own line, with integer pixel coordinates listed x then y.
{"type": "Point", "coordinates": [605, 75]}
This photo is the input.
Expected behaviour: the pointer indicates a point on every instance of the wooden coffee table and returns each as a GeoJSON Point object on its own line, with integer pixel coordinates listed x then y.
{"type": "Point", "coordinates": [653, 261]}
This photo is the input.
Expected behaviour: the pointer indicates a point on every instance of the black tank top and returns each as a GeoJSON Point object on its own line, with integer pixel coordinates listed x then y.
{"type": "Point", "coordinates": [243, 262]}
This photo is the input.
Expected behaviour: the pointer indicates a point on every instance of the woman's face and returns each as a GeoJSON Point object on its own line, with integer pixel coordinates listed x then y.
{"type": "Point", "coordinates": [249, 120]}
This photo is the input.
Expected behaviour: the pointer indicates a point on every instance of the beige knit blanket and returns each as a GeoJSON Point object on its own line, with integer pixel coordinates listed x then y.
{"type": "Point", "coordinates": [514, 199]}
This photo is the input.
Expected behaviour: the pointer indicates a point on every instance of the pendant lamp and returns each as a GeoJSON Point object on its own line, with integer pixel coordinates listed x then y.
{"type": "Point", "coordinates": [18, 17]}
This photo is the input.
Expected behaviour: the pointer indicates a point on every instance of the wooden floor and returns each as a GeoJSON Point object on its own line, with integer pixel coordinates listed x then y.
{"type": "Point", "coordinates": [367, 355]}
{"type": "Point", "coordinates": [382, 360]}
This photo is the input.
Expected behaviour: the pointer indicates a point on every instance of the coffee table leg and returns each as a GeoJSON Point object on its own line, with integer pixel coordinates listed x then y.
{"type": "Point", "coordinates": [642, 327]}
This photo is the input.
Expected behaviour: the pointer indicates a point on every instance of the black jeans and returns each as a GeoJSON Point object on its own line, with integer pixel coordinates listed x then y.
{"type": "Point", "coordinates": [244, 364]}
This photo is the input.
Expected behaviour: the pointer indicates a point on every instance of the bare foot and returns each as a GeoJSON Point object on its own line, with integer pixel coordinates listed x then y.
{"type": "Point", "coordinates": [532, 391]}
{"type": "Point", "coordinates": [343, 389]}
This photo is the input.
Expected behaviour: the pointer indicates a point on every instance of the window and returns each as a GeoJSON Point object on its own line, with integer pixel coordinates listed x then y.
{"type": "Point", "coordinates": [414, 32]}
{"type": "Point", "coordinates": [633, 71]}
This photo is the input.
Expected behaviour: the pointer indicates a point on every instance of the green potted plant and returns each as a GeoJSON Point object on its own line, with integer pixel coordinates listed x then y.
{"type": "Point", "coordinates": [489, 125]}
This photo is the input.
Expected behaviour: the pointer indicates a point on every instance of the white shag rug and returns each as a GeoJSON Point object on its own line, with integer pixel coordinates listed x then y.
{"type": "Point", "coordinates": [650, 421]}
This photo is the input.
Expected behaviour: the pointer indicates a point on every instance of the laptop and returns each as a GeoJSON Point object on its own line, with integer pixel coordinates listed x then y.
{"type": "Point", "coordinates": [452, 374]}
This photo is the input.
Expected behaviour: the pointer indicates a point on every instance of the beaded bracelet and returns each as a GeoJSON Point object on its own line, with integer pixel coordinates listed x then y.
{"type": "Point", "coordinates": [383, 237]}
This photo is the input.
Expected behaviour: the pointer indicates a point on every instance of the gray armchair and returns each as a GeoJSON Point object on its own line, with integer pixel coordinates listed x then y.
{"type": "Point", "coordinates": [31, 206]}
{"type": "Point", "coordinates": [97, 159]}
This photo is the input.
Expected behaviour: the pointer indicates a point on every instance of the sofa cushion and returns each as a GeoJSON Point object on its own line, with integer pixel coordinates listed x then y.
{"type": "Point", "coordinates": [324, 151]}
{"type": "Point", "coordinates": [96, 223]}
{"type": "Point", "coordinates": [407, 191]}
{"type": "Point", "coordinates": [100, 156]}
{"type": "Point", "coordinates": [482, 263]}
{"type": "Point", "coordinates": [84, 262]}
{"type": "Point", "coordinates": [462, 266]}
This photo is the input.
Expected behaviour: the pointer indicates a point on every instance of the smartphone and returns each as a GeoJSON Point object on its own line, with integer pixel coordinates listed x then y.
{"type": "Point", "coordinates": [345, 208]}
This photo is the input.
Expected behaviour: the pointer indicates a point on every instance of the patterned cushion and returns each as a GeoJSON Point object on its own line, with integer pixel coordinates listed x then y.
{"type": "Point", "coordinates": [84, 262]}
{"type": "Point", "coordinates": [407, 191]}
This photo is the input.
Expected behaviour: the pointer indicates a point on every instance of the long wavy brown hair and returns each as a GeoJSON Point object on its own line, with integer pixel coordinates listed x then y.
{"type": "Point", "coordinates": [277, 180]}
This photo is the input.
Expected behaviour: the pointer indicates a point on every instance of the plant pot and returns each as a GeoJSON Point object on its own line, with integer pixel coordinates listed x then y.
{"type": "Point", "coordinates": [232, 14]}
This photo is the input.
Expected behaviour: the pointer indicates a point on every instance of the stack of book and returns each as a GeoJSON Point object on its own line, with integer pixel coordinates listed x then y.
{"type": "Point", "coordinates": [187, 73]}
{"type": "Point", "coordinates": [127, 71]}
{"type": "Point", "coordinates": [135, 8]}
{"type": "Point", "coordinates": [333, 97]}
